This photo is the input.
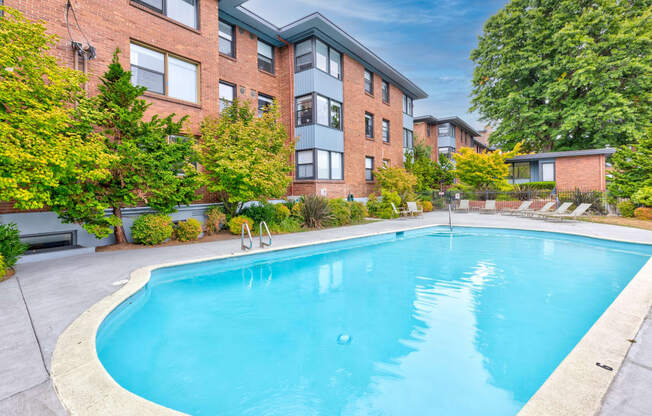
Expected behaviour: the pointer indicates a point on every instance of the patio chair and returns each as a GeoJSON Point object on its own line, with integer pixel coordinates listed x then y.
{"type": "Point", "coordinates": [463, 206]}
{"type": "Point", "coordinates": [542, 210]}
{"type": "Point", "coordinates": [396, 211]}
{"type": "Point", "coordinates": [489, 207]}
{"type": "Point", "coordinates": [412, 209]}
{"type": "Point", "coordinates": [577, 212]}
{"type": "Point", "coordinates": [563, 209]}
{"type": "Point", "coordinates": [523, 207]}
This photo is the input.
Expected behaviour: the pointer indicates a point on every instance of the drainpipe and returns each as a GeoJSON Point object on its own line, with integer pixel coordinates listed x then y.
{"type": "Point", "coordinates": [291, 102]}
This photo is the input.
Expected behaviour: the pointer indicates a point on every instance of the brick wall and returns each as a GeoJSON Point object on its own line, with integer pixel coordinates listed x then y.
{"type": "Point", "coordinates": [584, 172]}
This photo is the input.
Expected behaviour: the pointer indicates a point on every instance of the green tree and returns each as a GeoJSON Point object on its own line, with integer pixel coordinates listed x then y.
{"type": "Point", "coordinates": [152, 163]}
{"type": "Point", "coordinates": [43, 146]}
{"type": "Point", "coordinates": [395, 179]}
{"type": "Point", "coordinates": [430, 174]}
{"type": "Point", "coordinates": [632, 168]}
{"type": "Point", "coordinates": [565, 74]}
{"type": "Point", "coordinates": [483, 170]}
{"type": "Point", "coordinates": [246, 157]}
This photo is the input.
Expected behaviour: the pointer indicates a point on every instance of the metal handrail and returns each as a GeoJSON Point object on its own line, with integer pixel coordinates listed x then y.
{"type": "Point", "coordinates": [245, 226]}
{"type": "Point", "coordinates": [260, 234]}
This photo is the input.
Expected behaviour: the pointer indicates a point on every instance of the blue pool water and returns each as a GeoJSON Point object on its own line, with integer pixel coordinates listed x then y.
{"type": "Point", "coordinates": [419, 323]}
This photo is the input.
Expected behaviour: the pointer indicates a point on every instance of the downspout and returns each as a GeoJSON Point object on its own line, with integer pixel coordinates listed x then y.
{"type": "Point", "coordinates": [291, 101]}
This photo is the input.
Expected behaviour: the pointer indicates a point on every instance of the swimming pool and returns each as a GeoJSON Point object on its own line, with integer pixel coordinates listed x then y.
{"type": "Point", "coordinates": [421, 322]}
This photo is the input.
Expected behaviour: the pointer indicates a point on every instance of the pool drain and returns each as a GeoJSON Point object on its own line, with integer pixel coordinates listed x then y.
{"type": "Point", "coordinates": [344, 339]}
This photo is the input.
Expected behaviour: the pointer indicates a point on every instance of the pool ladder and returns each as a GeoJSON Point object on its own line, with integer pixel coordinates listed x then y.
{"type": "Point", "coordinates": [243, 246]}
{"type": "Point", "coordinates": [264, 244]}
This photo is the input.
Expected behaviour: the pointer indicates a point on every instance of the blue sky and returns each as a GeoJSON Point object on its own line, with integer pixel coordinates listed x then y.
{"type": "Point", "coordinates": [428, 41]}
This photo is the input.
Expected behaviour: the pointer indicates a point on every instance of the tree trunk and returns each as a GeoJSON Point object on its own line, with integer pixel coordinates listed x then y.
{"type": "Point", "coordinates": [118, 231]}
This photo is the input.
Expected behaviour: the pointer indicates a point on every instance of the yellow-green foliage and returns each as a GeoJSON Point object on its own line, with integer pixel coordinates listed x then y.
{"type": "Point", "coordinates": [395, 179]}
{"type": "Point", "coordinates": [281, 212]}
{"type": "Point", "coordinates": [235, 225]}
{"type": "Point", "coordinates": [187, 230]}
{"type": "Point", "coordinates": [643, 196]}
{"type": "Point", "coordinates": [297, 211]}
{"type": "Point", "coordinates": [427, 206]}
{"type": "Point", "coordinates": [150, 229]}
{"type": "Point", "coordinates": [626, 208]}
{"type": "Point", "coordinates": [340, 210]}
{"type": "Point", "coordinates": [483, 170]}
{"type": "Point", "coordinates": [3, 268]}
{"type": "Point", "coordinates": [44, 148]}
{"type": "Point", "coordinates": [358, 211]}
{"type": "Point", "coordinates": [215, 220]}
{"type": "Point", "coordinates": [383, 208]}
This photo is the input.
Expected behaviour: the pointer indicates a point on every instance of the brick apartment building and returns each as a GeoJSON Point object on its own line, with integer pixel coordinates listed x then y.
{"type": "Point", "coordinates": [447, 135]}
{"type": "Point", "coordinates": [348, 109]}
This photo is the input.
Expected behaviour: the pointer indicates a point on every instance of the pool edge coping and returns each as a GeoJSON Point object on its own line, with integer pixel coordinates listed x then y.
{"type": "Point", "coordinates": [83, 386]}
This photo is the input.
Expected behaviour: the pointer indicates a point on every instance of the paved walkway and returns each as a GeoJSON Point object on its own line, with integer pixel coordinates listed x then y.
{"type": "Point", "coordinates": [45, 297]}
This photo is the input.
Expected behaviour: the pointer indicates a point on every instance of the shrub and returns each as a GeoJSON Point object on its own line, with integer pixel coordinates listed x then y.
{"type": "Point", "coordinates": [427, 206]}
{"type": "Point", "coordinates": [215, 220]}
{"type": "Point", "coordinates": [150, 229]}
{"type": "Point", "coordinates": [11, 248]}
{"type": "Point", "coordinates": [373, 205]}
{"type": "Point", "coordinates": [259, 212]}
{"type": "Point", "coordinates": [643, 213]}
{"type": "Point", "coordinates": [315, 211]}
{"type": "Point", "coordinates": [577, 197]}
{"type": "Point", "coordinates": [3, 268]}
{"type": "Point", "coordinates": [643, 196]}
{"type": "Point", "coordinates": [358, 211]}
{"type": "Point", "coordinates": [281, 212]}
{"type": "Point", "coordinates": [340, 210]}
{"type": "Point", "coordinates": [288, 225]}
{"type": "Point", "coordinates": [395, 179]}
{"type": "Point", "coordinates": [543, 185]}
{"type": "Point", "coordinates": [297, 211]}
{"type": "Point", "coordinates": [235, 225]}
{"type": "Point", "coordinates": [187, 230]}
{"type": "Point", "coordinates": [626, 208]}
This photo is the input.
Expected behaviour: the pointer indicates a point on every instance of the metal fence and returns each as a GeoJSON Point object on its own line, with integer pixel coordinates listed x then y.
{"type": "Point", "coordinates": [512, 199]}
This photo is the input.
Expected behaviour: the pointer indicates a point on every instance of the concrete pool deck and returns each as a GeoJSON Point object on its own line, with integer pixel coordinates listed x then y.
{"type": "Point", "coordinates": [44, 298]}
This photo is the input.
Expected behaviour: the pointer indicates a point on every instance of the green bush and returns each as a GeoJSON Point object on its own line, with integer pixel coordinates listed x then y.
{"type": "Point", "coordinates": [281, 212]}
{"type": "Point", "coordinates": [383, 208]}
{"type": "Point", "coordinates": [427, 206]}
{"type": "Point", "coordinates": [3, 268]}
{"type": "Point", "coordinates": [11, 248]}
{"type": "Point", "coordinates": [577, 197]}
{"type": "Point", "coordinates": [373, 205]}
{"type": "Point", "coordinates": [643, 196]}
{"type": "Point", "coordinates": [543, 185]}
{"type": "Point", "coordinates": [315, 211]}
{"type": "Point", "coordinates": [215, 220]}
{"type": "Point", "coordinates": [288, 225]}
{"type": "Point", "coordinates": [340, 210]}
{"type": "Point", "coordinates": [626, 209]}
{"type": "Point", "coordinates": [297, 211]}
{"type": "Point", "coordinates": [259, 212]}
{"type": "Point", "coordinates": [187, 230]}
{"type": "Point", "coordinates": [150, 229]}
{"type": "Point", "coordinates": [235, 225]}
{"type": "Point", "coordinates": [358, 211]}
{"type": "Point", "coordinates": [643, 213]}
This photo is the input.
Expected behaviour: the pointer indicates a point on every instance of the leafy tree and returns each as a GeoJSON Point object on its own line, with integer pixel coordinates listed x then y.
{"type": "Point", "coordinates": [246, 157]}
{"type": "Point", "coordinates": [43, 146]}
{"type": "Point", "coordinates": [483, 170]}
{"type": "Point", "coordinates": [430, 174]}
{"type": "Point", "coordinates": [151, 164]}
{"type": "Point", "coordinates": [395, 179]}
{"type": "Point", "coordinates": [632, 168]}
{"type": "Point", "coordinates": [565, 74]}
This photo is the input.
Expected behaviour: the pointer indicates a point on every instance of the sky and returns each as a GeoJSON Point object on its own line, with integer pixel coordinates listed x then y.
{"type": "Point", "coordinates": [428, 41]}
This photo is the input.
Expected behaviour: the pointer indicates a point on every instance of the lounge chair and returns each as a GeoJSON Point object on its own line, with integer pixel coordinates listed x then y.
{"type": "Point", "coordinates": [463, 206]}
{"type": "Point", "coordinates": [525, 205]}
{"type": "Point", "coordinates": [577, 212]}
{"type": "Point", "coordinates": [489, 207]}
{"type": "Point", "coordinates": [412, 209]}
{"type": "Point", "coordinates": [394, 209]}
{"type": "Point", "coordinates": [542, 210]}
{"type": "Point", "coordinates": [563, 209]}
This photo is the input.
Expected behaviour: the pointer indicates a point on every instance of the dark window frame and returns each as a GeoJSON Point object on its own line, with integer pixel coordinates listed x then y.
{"type": "Point", "coordinates": [371, 117]}
{"type": "Point", "coordinates": [273, 59]}
{"type": "Point", "coordinates": [369, 91]}
{"type": "Point", "coordinates": [313, 56]}
{"type": "Point", "coordinates": [369, 172]}
{"type": "Point", "coordinates": [164, 11]}
{"type": "Point", "coordinates": [428, 130]}
{"type": "Point", "coordinates": [385, 84]}
{"type": "Point", "coordinates": [269, 97]}
{"type": "Point", "coordinates": [314, 120]}
{"type": "Point", "coordinates": [233, 39]}
{"type": "Point", "coordinates": [235, 93]}
{"type": "Point", "coordinates": [386, 139]}
{"type": "Point", "coordinates": [408, 136]}
{"type": "Point", "coordinates": [315, 165]}
{"type": "Point", "coordinates": [297, 164]}
{"type": "Point", "coordinates": [408, 105]}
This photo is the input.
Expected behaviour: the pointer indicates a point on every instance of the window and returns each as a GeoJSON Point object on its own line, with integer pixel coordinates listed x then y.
{"type": "Point", "coordinates": [548, 172]}
{"type": "Point", "coordinates": [408, 139]}
{"type": "Point", "coordinates": [148, 69]}
{"type": "Point", "coordinates": [386, 131]}
{"type": "Point", "coordinates": [336, 166]}
{"type": "Point", "coordinates": [336, 115]}
{"type": "Point", "coordinates": [386, 163]}
{"type": "Point", "coordinates": [265, 57]}
{"type": "Point", "coordinates": [408, 105]}
{"type": "Point", "coordinates": [305, 164]}
{"type": "Point", "coordinates": [264, 101]}
{"type": "Point", "coordinates": [427, 129]}
{"type": "Point", "coordinates": [520, 170]}
{"type": "Point", "coordinates": [304, 110]}
{"type": "Point", "coordinates": [173, 138]}
{"type": "Point", "coordinates": [227, 39]}
{"type": "Point", "coordinates": [303, 55]}
{"type": "Point", "coordinates": [183, 11]}
{"type": "Point", "coordinates": [45, 242]}
{"type": "Point", "coordinates": [447, 152]}
{"type": "Point", "coordinates": [368, 81]}
{"type": "Point", "coordinates": [369, 125]}
{"type": "Point", "coordinates": [324, 57]}
{"type": "Point", "coordinates": [369, 168]}
{"type": "Point", "coordinates": [443, 129]}
{"type": "Point", "coordinates": [322, 111]}
{"type": "Point", "coordinates": [227, 94]}
{"type": "Point", "coordinates": [385, 92]}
